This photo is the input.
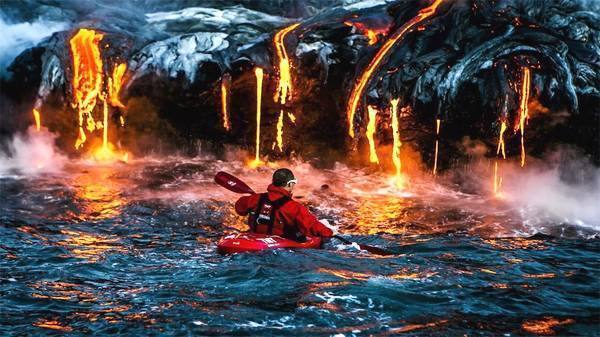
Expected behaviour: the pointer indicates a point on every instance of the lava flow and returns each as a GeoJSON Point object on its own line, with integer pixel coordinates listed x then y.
{"type": "Point", "coordinates": [38, 122]}
{"type": "Point", "coordinates": [258, 72]}
{"type": "Point", "coordinates": [280, 131]}
{"type": "Point", "coordinates": [225, 82]}
{"type": "Point", "coordinates": [523, 111]}
{"type": "Point", "coordinates": [497, 183]}
{"type": "Point", "coordinates": [359, 87]}
{"type": "Point", "coordinates": [284, 82]}
{"type": "Point", "coordinates": [114, 85]}
{"type": "Point", "coordinates": [437, 138]}
{"type": "Point", "coordinates": [371, 126]}
{"type": "Point", "coordinates": [87, 77]}
{"type": "Point", "coordinates": [397, 143]}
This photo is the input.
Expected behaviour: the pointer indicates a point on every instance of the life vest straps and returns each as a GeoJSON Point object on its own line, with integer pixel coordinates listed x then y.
{"type": "Point", "coordinates": [274, 207]}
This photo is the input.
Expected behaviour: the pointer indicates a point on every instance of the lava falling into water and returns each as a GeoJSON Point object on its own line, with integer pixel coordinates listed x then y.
{"type": "Point", "coordinates": [258, 72]}
{"type": "Point", "coordinates": [497, 184]}
{"type": "Point", "coordinates": [224, 101]}
{"type": "Point", "coordinates": [38, 122]}
{"type": "Point", "coordinates": [284, 82]}
{"type": "Point", "coordinates": [371, 127]}
{"type": "Point", "coordinates": [397, 143]}
{"type": "Point", "coordinates": [437, 138]}
{"type": "Point", "coordinates": [87, 77]}
{"type": "Point", "coordinates": [523, 111]}
{"type": "Point", "coordinates": [359, 87]}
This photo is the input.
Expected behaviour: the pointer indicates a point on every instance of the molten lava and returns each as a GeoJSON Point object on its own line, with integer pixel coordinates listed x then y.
{"type": "Point", "coordinates": [501, 140]}
{"type": "Point", "coordinates": [497, 180]}
{"type": "Point", "coordinates": [371, 127]}
{"type": "Point", "coordinates": [224, 101]}
{"type": "Point", "coordinates": [258, 72]}
{"type": "Point", "coordinates": [280, 131]}
{"type": "Point", "coordinates": [284, 82]}
{"type": "Point", "coordinates": [437, 138]}
{"type": "Point", "coordinates": [359, 87]}
{"type": "Point", "coordinates": [114, 85]}
{"type": "Point", "coordinates": [38, 122]}
{"type": "Point", "coordinates": [369, 32]}
{"type": "Point", "coordinates": [87, 77]}
{"type": "Point", "coordinates": [397, 143]}
{"type": "Point", "coordinates": [523, 111]}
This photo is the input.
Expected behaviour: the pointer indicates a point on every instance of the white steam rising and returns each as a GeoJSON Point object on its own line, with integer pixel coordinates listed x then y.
{"type": "Point", "coordinates": [32, 154]}
{"type": "Point", "coordinates": [20, 36]}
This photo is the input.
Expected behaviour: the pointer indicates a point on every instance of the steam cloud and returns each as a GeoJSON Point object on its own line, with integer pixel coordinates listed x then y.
{"type": "Point", "coordinates": [32, 154]}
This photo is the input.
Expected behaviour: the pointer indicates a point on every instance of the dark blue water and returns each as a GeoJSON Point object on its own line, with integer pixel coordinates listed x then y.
{"type": "Point", "coordinates": [130, 249]}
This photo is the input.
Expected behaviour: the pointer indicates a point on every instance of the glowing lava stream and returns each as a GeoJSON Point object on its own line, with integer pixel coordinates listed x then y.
{"type": "Point", "coordinates": [359, 87]}
{"type": "Point", "coordinates": [523, 111]}
{"type": "Point", "coordinates": [397, 143]}
{"type": "Point", "coordinates": [371, 126]}
{"type": "Point", "coordinates": [437, 138]}
{"type": "Point", "coordinates": [284, 82]}
{"type": "Point", "coordinates": [280, 131]}
{"type": "Point", "coordinates": [114, 85]}
{"type": "Point", "coordinates": [497, 178]}
{"type": "Point", "coordinates": [224, 106]}
{"type": "Point", "coordinates": [87, 77]}
{"type": "Point", "coordinates": [38, 122]}
{"type": "Point", "coordinates": [258, 72]}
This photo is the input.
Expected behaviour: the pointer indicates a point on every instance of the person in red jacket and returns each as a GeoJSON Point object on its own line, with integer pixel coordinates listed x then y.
{"type": "Point", "coordinates": [276, 213]}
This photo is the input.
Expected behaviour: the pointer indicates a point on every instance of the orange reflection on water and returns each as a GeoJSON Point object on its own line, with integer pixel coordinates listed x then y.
{"type": "Point", "coordinates": [516, 243]}
{"type": "Point", "coordinates": [52, 324]}
{"type": "Point", "coordinates": [61, 291]}
{"type": "Point", "coordinates": [545, 325]}
{"type": "Point", "coordinates": [381, 215]}
{"type": "Point", "coordinates": [544, 275]}
{"type": "Point", "coordinates": [89, 246]}
{"type": "Point", "coordinates": [346, 274]}
{"type": "Point", "coordinates": [99, 193]}
{"type": "Point", "coordinates": [413, 327]}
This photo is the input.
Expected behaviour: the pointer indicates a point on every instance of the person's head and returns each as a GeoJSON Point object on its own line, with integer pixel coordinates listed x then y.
{"type": "Point", "coordinates": [284, 178]}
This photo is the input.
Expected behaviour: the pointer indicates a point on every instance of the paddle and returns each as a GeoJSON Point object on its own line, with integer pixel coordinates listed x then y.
{"type": "Point", "coordinates": [234, 184]}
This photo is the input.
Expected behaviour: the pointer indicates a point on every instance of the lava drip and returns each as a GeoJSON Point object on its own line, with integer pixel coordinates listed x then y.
{"type": "Point", "coordinates": [225, 83]}
{"type": "Point", "coordinates": [497, 184]}
{"type": "Point", "coordinates": [258, 72]}
{"type": "Point", "coordinates": [279, 132]}
{"type": "Point", "coordinates": [87, 77]}
{"type": "Point", "coordinates": [397, 143]}
{"type": "Point", "coordinates": [359, 87]}
{"type": "Point", "coordinates": [523, 111]}
{"type": "Point", "coordinates": [371, 128]}
{"type": "Point", "coordinates": [37, 118]}
{"type": "Point", "coordinates": [438, 122]}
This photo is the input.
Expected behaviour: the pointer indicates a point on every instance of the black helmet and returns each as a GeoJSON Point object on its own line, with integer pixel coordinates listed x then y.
{"type": "Point", "coordinates": [282, 177]}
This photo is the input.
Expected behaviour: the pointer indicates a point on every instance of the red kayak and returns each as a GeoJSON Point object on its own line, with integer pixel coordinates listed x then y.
{"type": "Point", "coordinates": [251, 242]}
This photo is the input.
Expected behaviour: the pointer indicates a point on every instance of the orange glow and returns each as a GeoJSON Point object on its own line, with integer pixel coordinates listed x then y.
{"type": "Point", "coordinates": [397, 143]}
{"type": "Point", "coordinates": [284, 82]}
{"type": "Point", "coordinates": [371, 128]}
{"type": "Point", "coordinates": [87, 77]}
{"type": "Point", "coordinates": [544, 326]}
{"type": "Point", "coordinates": [523, 111]}
{"type": "Point", "coordinates": [369, 32]}
{"type": "Point", "coordinates": [114, 85]}
{"type": "Point", "coordinates": [105, 126]}
{"type": "Point", "coordinates": [36, 116]}
{"type": "Point", "coordinates": [224, 106]}
{"type": "Point", "coordinates": [122, 120]}
{"type": "Point", "coordinates": [437, 134]}
{"type": "Point", "coordinates": [359, 87]}
{"type": "Point", "coordinates": [501, 140]}
{"type": "Point", "coordinates": [258, 72]}
{"type": "Point", "coordinates": [52, 324]}
{"type": "Point", "coordinates": [280, 131]}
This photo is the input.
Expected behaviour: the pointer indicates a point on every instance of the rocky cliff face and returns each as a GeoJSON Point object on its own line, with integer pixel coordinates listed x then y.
{"type": "Point", "coordinates": [463, 65]}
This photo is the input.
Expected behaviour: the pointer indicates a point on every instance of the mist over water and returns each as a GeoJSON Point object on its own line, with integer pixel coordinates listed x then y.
{"type": "Point", "coordinates": [32, 153]}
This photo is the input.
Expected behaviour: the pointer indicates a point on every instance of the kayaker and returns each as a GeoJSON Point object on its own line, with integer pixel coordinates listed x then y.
{"type": "Point", "coordinates": [276, 213]}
